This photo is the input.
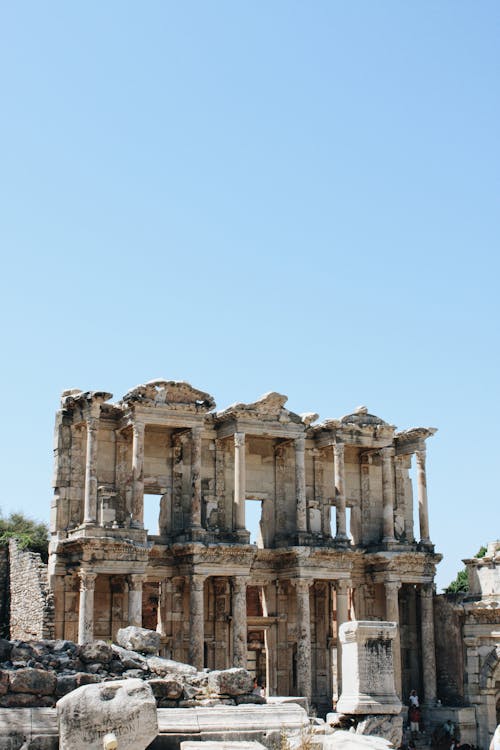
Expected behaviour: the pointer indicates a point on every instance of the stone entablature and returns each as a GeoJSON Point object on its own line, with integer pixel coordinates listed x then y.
{"type": "Point", "coordinates": [338, 535]}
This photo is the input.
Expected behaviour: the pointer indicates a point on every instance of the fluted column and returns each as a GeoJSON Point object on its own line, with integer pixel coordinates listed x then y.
{"type": "Point", "coordinates": [340, 515]}
{"type": "Point", "coordinates": [423, 511]}
{"type": "Point", "coordinates": [196, 478]}
{"type": "Point", "coordinates": [239, 481]}
{"type": "Point", "coordinates": [428, 644]}
{"type": "Point", "coordinates": [342, 591]}
{"type": "Point", "coordinates": [90, 498]}
{"type": "Point", "coordinates": [197, 621]}
{"type": "Point", "coordinates": [392, 615]}
{"type": "Point", "coordinates": [135, 599]}
{"type": "Point", "coordinates": [239, 609]}
{"type": "Point", "coordinates": [86, 608]}
{"type": "Point", "coordinates": [303, 637]}
{"type": "Point", "coordinates": [138, 475]}
{"type": "Point", "coordinates": [300, 484]}
{"type": "Point", "coordinates": [387, 455]}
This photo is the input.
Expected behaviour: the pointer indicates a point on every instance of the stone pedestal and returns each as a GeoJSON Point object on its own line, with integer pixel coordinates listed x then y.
{"type": "Point", "coordinates": [367, 668]}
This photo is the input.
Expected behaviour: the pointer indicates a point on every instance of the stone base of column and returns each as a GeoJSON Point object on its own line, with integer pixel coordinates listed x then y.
{"type": "Point", "coordinates": [136, 525]}
{"type": "Point", "coordinates": [242, 536]}
{"type": "Point", "coordinates": [303, 539]}
{"type": "Point", "coordinates": [390, 543]}
{"type": "Point", "coordinates": [342, 540]}
{"type": "Point", "coordinates": [426, 544]}
{"type": "Point", "coordinates": [197, 534]}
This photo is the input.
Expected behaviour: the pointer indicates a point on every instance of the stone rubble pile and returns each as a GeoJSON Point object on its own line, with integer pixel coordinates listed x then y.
{"type": "Point", "coordinates": [38, 673]}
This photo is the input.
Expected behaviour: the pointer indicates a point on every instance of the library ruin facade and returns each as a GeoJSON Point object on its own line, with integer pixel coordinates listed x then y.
{"type": "Point", "coordinates": [338, 538]}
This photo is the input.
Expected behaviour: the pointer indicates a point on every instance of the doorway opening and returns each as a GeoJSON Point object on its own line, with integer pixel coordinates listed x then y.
{"type": "Point", "coordinates": [152, 513]}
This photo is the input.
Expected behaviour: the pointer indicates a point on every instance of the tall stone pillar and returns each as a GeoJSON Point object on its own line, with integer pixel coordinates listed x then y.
{"type": "Point", "coordinates": [197, 621]}
{"type": "Point", "coordinates": [340, 515]}
{"type": "Point", "coordinates": [392, 615]}
{"type": "Point", "coordinates": [135, 599]}
{"type": "Point", "coordinates": [239, 610]}
{"type": "Point", "coordinates": [423, 511]}
{"type": "Point", "coordinates": [86, 609]}
{"type": "Point", "coordinates": [387, 455]}
{"type": "Point", "coordinates": [196, 478]}
{"type": "Point", "coordinates": [90, 497]}
{"type": "Point", "coordinates": [300, 484]}
{"type": "Point", "coordinates": [138, 475]}
{"type": "Point", "coordinates": [303, 637]}
{"type": "Point", "coordinates": [239, 481]}
{"type": "Point", "coordinates": [342, 592]}
{"type": "Point", "coordinates": [428, 644]}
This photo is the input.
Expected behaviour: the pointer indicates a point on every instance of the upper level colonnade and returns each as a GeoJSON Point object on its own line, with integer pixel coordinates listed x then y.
{"type": "Point", "coordinates": [165, 438]}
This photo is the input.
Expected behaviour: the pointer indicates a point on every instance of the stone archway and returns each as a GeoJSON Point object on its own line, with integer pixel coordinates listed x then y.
{"type": "Point", "coordinates": [488, 713]}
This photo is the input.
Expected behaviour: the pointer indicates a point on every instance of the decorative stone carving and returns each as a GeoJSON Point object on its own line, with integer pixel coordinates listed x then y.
{"type": "Point", "coordinates": [125, 707]}
{"type": "Point", "coordinates": [176, 394]}
{"type": "Point", "coordinates": [367, 668]}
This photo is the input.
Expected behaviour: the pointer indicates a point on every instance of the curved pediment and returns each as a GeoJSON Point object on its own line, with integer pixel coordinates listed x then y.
{"type": "Point", "coordinates": [175, 394]}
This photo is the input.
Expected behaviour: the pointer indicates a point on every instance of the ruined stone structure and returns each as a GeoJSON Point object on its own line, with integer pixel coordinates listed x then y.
{"type": "Point", "coordinates": [338, 538]}
{"type": "Point", "coordinates": [468, 636]}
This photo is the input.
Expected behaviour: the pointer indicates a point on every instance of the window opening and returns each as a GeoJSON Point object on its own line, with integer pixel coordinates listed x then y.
{"type": "Point", "coordinates": [152, 514]}
{"type": "Point", "coordinates": [253, 519]}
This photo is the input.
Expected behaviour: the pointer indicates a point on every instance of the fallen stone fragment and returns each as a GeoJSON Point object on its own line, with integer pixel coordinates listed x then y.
{"type": "Point", "coordinates": [35, 681]}
{"type": "Point", "coordinates": [163, 667]}
{"type": "Point", "coordinates": [95, 651]}
{"type": "Point", "coordinates": [233, 681]}
{"type": "Point", "coordinates": [169, 688]}
{"type": "Point", "coordinates": [126, 708]}
{"type": "Point", "coordinates": [139, 639]}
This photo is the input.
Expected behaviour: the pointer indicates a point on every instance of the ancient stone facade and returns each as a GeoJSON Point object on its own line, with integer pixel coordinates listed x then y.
{"type": "Point", "coordinates": [468, 638]}
{"type": "Point", "coordinates": [338, 542]}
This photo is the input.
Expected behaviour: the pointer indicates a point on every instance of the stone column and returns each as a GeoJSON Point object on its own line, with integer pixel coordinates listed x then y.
{"type": "Point", "coordinates": [90, 508]}
{"type": "Point", "coordinates": [86, 609]}
{"type": "Point", "coordinates": [300, 484]}
{"type": "Point", "coordinates": [138, 475]}
{"type": "Point", "coordinates": [239, 609]}
{"type": "Point", "coordinates": [423, 511]}
{"type": "Point", "coordinates": [135, 599]}
{"type": "Point", "coordinates": [428, 645]}
{"type": "Point", "coordinates": [303, 637]}
{"type": "Point", "coordinates": [392, 615]}
{"type": "Point", "coordinates": [342, 591]}
{"type": "Point", "coordinates": [197, 621]}
{"type": "Point", "coordinates": [196, 478]}
{"type": "Point", "coordinates": [239, 481]}
{"type": "Point", "coordinates": [340, 515]}
{"type": "Point", "coordinates": [388, 495]}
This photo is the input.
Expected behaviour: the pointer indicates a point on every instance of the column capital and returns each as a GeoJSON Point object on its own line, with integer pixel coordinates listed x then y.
{"type": "Point", "coordinates": [135, 581]}
{"type": "Point", "coordinates": [300, 442]}
{"type": "Point", "coordinates": [421, 453]}
{"type": "Point", "coordinates": [302, 585]}
{"type": "Point", "coordinates": [87, 580]}
{"type": "Point", "coordinates": [239, 439]}
{"type": "Point", "coordinates": [392, 586]}
{"type": "Point", "coordinates": [196, 430]}
{"type": "Point", "coordinates": [138, 426]}
{"type": "Point", "coordinates": [342, 585]}
{"type": "Point", "coordinates": [427, 589]}
{"type": "Point", "coordinates": [197, 581]}
{"type": "Point", "coordinates": [240, 583]}
{"type": "Point", "coordinates": [387, 453]}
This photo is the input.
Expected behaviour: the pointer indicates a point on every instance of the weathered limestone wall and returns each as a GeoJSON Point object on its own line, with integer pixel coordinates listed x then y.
{"type": "Point", "coordinates": [448, 628]}
{"type": "Point", "coordinates": [4, 592]}
{"type": "Point", "coordinates": [31, 603]}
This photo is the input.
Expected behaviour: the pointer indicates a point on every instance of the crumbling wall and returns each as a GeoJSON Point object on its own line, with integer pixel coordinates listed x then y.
{"type": "Point", "coordinates": [4, 591]}
{"type": "Point", "coordinates": [448, 626]}
{"type": "Point", "coordinates": [31, 603]}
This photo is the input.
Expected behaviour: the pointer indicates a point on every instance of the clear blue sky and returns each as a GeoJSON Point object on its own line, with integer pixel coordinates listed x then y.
{"type": "Point", "coordinates": [257, 196]}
